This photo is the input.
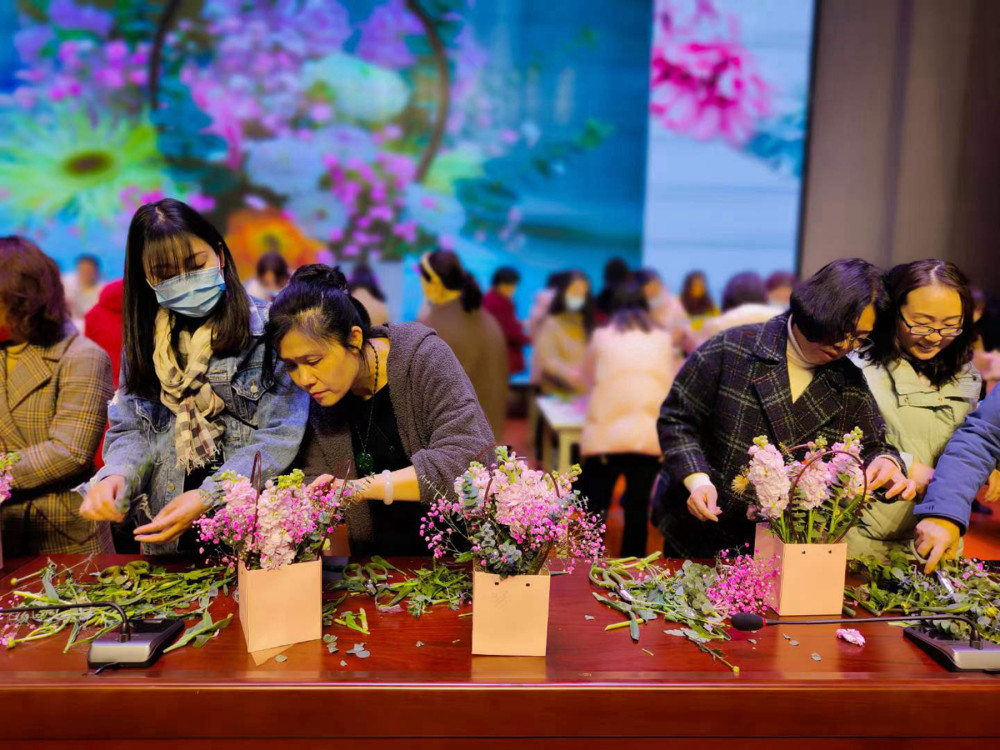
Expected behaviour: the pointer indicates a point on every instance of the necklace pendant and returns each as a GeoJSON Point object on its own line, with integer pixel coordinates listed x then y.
{"type": "Point", "coordinates": [364, 463]}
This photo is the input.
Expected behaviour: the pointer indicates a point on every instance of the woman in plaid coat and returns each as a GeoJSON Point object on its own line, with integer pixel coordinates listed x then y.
{"type": "Point", "coordinates": [788, 379]}
{"type": "Point", "coordinates": [54, 391]}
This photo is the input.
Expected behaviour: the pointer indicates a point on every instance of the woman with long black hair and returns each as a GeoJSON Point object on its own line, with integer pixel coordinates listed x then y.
{"type": "Point", "coordinates": [194, 399]}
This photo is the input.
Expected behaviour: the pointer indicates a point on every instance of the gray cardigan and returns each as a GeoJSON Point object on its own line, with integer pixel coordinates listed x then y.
{"type": "Point", "coordinates": [441, 424]}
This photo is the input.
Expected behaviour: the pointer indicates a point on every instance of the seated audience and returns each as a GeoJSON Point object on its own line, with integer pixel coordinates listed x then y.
{"type": "Point", "coordinates": [82, 287]}
{"type": "Point", "coordinates": [779, 287]}
{"type": "Point", "coordinates": [744, 302]}
{"type": "Point", "coordinates": [697, 300]}
{"type": "Point", "coordinates": [557, 357]}
{"type": "Point", "coordinates": [271, 277]}
{"type": "Point", "coordinates": [499, 302]}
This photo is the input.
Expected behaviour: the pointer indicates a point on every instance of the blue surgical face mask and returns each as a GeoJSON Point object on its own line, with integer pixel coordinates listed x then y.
{"type": "Point", "coordinates": [192, 294]}
{"type": "Point", "coordinates": [575, 304]}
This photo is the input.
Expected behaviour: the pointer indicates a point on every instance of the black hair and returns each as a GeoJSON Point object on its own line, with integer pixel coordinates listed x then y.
{"type": "Point", "coordinates": [616, 273]}
{"type": "Point", "coordinates": [743, 289]}
{"type": "Point", "coordinates": [630, 308]}
{"type": "Point", "coordinates": [554, 279]}
{"type": "Point", "coordinates": [275, 263]}
{"type": "Point", "coordinates": [363, 277]}
{"type": "Point", "coordinates": [505, 275]}
{"type": "Point", "coordinates": [644, 275]}
{"type": "Point", "coordinates": [694, 306]}
{"type": "Point", "coordinates": [779, 279]}
{"type": "Point", "coordinates": [899, 282]}
{"type": "Point", "coordinates": [88, 258]}
{"type": "Point", "coordinates": [318, 303]}
{"type": "Point", "coordinates": [160, 237]}
{"type": "Point", "coordinates": [454, 277]}
{"type": "Point", "coordinates": [558, 305]}
{"type": "Point", "coordinates": [827, 305]}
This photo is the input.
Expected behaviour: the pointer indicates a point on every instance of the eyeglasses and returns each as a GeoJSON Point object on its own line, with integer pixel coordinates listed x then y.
{"type": "Point", "coordinates": [858, 344]}
{"type": "Point", "coordinates": [946, 333]}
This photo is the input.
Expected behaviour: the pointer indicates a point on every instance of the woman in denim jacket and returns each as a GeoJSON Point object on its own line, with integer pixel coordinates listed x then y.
{"type": "Point", "coordinates": [194, 399]}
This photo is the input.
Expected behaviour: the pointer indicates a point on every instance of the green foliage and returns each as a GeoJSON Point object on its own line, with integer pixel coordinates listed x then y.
{"type": "Point", "coordinates": [644, 592]}
{"type": "Point", "coordinates": [962, 587]}
{"type": "Point", "coordinates": [142, 590]}
{"type": "Point", "coordinates": [391, 587]}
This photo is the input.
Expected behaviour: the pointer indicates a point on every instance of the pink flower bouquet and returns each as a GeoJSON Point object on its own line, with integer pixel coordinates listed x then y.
{"type": "Point", "coordinates": [7, 461]}
{"type": "Point", "coordinates": [508, 518]}
{"type": "Point", "coordinates": [813, 500]}
{"type": "Point", "coordinates": [288, 523]}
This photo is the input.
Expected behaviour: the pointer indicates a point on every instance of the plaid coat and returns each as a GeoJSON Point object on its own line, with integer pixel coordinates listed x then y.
{"type": "Point", "coordinates": [53, 411]}
{"type": "Point", "coordinates": [731, 389]}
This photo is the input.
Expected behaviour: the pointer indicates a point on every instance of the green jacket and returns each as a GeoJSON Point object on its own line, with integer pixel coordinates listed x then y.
{"type": "Point", "coordinates": [920, 420]}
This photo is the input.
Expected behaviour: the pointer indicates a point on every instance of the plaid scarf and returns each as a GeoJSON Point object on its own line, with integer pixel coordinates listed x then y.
{"type": "Point", "coordinates": [187, 392]}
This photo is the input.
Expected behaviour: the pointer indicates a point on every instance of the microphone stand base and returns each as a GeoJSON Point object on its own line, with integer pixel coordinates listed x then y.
{"type": "Point", "coordinates": [955, 654]}
{"type": "Point", "coordinates": [142, 649]}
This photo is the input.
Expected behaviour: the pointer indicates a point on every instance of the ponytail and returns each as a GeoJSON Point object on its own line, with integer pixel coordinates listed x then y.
{"type": "Point", "coordinates": [472, 295]}
{"type": "Point", "coordinates": [317, 302]}
{"type": "Point", "coordinates": [454, 277]}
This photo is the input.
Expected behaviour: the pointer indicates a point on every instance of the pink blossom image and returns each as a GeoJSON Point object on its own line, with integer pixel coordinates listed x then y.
{"type": "Point", "coordinates": [704, 82]}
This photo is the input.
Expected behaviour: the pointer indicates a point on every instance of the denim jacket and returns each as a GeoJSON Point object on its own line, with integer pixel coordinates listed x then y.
{"type": "Point", "coordinates": [262, 414]}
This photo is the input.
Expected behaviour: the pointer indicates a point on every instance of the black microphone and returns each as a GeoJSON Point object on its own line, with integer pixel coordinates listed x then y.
{"type": "Point", "coordinates": [749, 621]}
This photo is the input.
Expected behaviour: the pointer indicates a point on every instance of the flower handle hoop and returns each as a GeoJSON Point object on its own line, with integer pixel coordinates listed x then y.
{"type": "Point", "coordinates": [856, 515]}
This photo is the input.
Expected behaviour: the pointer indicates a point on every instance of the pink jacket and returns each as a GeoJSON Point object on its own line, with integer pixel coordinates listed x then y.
{"type": "Point", "coordinates": [630, 373]}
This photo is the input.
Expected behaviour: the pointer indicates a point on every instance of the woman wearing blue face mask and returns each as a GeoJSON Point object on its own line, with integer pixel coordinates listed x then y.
{"type": "Point", "coordinates": [194, 400]}
{"type": "Point", "coordinates": [559, 346]}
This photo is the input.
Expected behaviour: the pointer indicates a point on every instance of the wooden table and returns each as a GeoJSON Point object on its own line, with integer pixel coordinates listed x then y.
{"type": "Point", "coordinates": [593, 689]}
{"type": "Point", "coordinates": [562, 420]}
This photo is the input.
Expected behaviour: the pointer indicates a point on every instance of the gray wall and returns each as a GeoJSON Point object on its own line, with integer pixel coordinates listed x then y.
{"type": "Point", "coordinates": [904, 154]}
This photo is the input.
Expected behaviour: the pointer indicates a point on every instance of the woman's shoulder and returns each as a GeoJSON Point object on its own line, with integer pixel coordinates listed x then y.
{"type": "Point", "coordinates": [77, 352]}
{"type": "Point", "coordinates": [80, 348]}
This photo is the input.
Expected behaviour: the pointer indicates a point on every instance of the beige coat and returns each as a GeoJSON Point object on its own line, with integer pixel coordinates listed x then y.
{"type": "Point", "coordinates": [557, 355]}
{"type": "Point", "coordinates": [53, 411]}
{"type": "Point", "coordinates": [479, 345]}
{"type": "Point", "coordinates": [630, 374]}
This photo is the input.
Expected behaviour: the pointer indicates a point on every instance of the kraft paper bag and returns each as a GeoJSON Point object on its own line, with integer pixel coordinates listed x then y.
{"type": "Point", "coordinates": [283, 606]}
{"type": "Point", "coordinates": [810, 578]}
{"type": "Point", "coordinates": [510, 616]}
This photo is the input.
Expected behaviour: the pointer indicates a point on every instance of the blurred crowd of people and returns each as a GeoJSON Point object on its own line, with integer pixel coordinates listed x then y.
{"type": "Point", "coordinates": [671, 385]}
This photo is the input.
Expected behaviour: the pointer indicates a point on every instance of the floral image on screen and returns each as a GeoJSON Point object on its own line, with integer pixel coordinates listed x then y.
{"type": "Point", "coordinates": [729, 93]}
{"type": "Point", "coordinates": [335, 131]}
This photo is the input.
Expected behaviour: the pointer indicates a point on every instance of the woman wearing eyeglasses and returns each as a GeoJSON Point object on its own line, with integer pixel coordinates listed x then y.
{"type": "Point", "coordinates": [788, 379]}
{"type": "Point", "coordinates": [921, 374]}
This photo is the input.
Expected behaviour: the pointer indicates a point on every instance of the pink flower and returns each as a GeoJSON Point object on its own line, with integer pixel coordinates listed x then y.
{"type": "Point", "coordinates": [704, 82]}
{"type": "Point", "coordinates": [851, 636]}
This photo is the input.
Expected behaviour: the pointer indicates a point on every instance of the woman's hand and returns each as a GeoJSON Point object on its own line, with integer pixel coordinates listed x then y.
{"type": "Point", "coordinates": [703, 503]}
{"type": "Point", "coordinates": [992, 493]}
{"type": "Point", "coordinates": [174, 519]}
{"type": "Point", "coordinates": [328, 480]}
{"type": "Point", "coordinates": [884, 471]}
{"type": "Point", "coordinates": [937, 538]}
{"type": "Point", "coordinates": [921, 474]}
{"type": "Point", "coordinates": [101, 503]}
